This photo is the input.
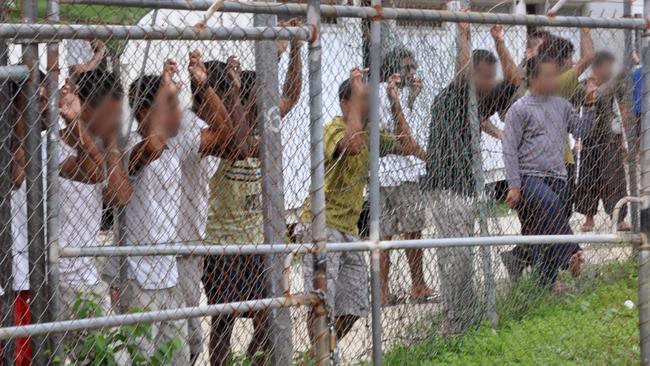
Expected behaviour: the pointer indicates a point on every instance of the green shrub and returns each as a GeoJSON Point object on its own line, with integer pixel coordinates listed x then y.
{"type": "Point", "coordinates": [101, 347]}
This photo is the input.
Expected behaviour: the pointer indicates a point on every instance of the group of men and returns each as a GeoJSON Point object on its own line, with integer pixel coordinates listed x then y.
{"type": "Point", "coordinates": [193, 176]}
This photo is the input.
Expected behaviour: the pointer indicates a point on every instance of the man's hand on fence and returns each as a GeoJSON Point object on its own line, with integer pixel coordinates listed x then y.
{"type": "Point", "coordinates": [197, 70]}
{"type": "Point", "coordinates": [497, 33]}
{"type": "Point", "coordinates": [416, 89]}
{"type": "Point", "coordinates": [392, 89]}
{"type": "Point", "coordinates": [170, 69]}
{"type": "Point", "coordinates": [513, 198]}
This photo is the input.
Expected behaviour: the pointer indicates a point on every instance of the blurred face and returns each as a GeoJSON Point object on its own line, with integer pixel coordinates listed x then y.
{"type": "Point", "coordinates": [604, 71]}
{"type": "Point", "coordinates": [545, 83]}
{"type": "Point", "coordinates": [408, 71]}
{"type": "Point", "coordinates": [105, 119]}
{"type": "Point", "coordinates": [365, 103]}
{"type": "Point", "coordinates": [485, 76]}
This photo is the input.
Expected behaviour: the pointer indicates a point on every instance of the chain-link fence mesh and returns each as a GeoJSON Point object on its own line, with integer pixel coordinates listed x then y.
{"type": "Point", "coordinates": [175, 180]}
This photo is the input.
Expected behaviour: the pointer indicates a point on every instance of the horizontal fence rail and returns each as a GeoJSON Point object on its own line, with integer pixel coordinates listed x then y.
{"type": "Point", "coordinates": [50, 32]}
{"type": "Point", "coordinates": [341, 11]}
{"type": "Point", "coordinates": [155, 316]}
{"type": "Point", "coordinates": [14, 72]}
{"type": "Point", "coordinates": [460, 265]}
{"type": "Point", "coordinates": [353, 246]}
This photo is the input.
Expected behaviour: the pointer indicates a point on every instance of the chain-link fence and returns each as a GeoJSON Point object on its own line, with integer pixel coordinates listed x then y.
{"type": "Point", "coordinates": [234, 183]}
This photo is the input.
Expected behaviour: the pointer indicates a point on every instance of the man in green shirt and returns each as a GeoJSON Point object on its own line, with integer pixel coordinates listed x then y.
{"type": "Point", "coordinates": [347, 162]}
{"type": "Point", "coordinates": [451, 170]}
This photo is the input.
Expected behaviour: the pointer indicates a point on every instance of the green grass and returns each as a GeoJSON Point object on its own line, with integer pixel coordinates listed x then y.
{"type": "Point", "coordinates": [82, 14]}
{"type": "Point", "coordinates": [590, 327]}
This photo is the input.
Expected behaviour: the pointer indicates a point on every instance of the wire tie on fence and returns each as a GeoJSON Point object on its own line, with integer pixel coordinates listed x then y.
{"type": "Point", "coordinates": [380, 13]}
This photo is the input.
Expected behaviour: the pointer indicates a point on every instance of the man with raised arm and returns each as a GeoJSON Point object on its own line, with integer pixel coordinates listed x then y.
{"type": "Point", "coordinates": [561, 51]}
{"type": "Point", "coordinates": [347, 163]}
{"type": "Point", "coordinates": [235, 213]}
{"type": "Point", "coordinates": [533, 148]}
{"type": "Point", "coordinates": [91, 172]}
{"type": "Point", "coordinates": [451, 164]}
{"type": "Point", "coordinates": [160, 148]}
{"type": "Point", "coordinates": [402, 202]}
{"type": "Point", "coordinates": [602, 169]}
{"type": "Point", "coordinates": [210, 117]}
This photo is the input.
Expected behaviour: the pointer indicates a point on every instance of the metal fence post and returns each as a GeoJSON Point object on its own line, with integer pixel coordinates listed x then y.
{"type": "Point", "coordinates": [485, 252]}
{"type": "Point", "coordinates": [631, 133]}
{"type": "Point", "coordinates": [375, 253]}
{"type": "Point", "coordinates": [266, 67]}
{"type": "Point", "coordinates": [6, 239]}
{"type": "Point", "coordinates": [52, 196]}
{"type": "Point", "coordinates": [644, 256]}
{"type": "Point", "coordinates": [320, 328]}
{"type": "Point", "coordinates": [34, 177]}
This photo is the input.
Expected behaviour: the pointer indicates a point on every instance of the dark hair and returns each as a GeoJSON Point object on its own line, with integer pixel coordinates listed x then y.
{"type": "Point", "coordinates": [392, 62]}
{"type": "Point", "coordinates": [345, 90]}
{"type": "Point", "coordinates": [540, 33]}
{"type": "Point", "coordinates": [602, 57]}
{"type": "Point", "coordinates": [557, 48]}
{"type": "Point", "coordinates": [534, 64]}
{"type": "Point", "coordinates": [94, 86]}
{"type": "Point", "coordinates": [142, 93]}
{"type": "Point", "coordinates": [218, 80]}
{"type": "Point", "coordinates": [480, 55]}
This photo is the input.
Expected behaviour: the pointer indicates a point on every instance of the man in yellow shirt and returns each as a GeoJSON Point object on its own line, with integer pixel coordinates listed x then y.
{"type": "Point", "coordinates": [347, 162]}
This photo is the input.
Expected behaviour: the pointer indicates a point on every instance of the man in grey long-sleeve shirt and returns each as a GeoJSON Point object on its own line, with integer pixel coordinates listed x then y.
{"type": "Point", "coordinates": [535, 137]}
{"type": "Point", "coordinates": [533, 149]}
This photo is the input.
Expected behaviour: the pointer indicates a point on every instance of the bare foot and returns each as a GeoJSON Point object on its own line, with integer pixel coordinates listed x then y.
{"type": "Point", "coordinates": [588, 225]}
{"type": "Point", "coordinates": [421, 292]}
{"type": "Point", "coordinates": [576, 262]}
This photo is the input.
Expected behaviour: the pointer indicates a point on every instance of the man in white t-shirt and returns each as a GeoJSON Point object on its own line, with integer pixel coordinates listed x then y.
{"type": "Point", "coordinates": [196, 171]}
{"type": "Point", "coordinates": [162, 152]}
{"type": "Point", "coordinates": [91, 173]}
{"type": "Point", "coordinates": [402, 202]}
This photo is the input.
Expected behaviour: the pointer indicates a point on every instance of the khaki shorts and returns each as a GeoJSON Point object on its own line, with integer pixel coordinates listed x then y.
{"type": "Point", "coordinates": [347, 276]}
{"type": "Point", "coordinates": [402, 209]}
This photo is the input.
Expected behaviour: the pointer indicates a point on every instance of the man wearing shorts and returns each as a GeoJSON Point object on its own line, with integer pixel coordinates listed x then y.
{"type": "Point", "coordinates": [402, 204]}
{"type": "Point", "coordinates": [235, 207]}
{"type": "Point", "coordinates": [347, 161]}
